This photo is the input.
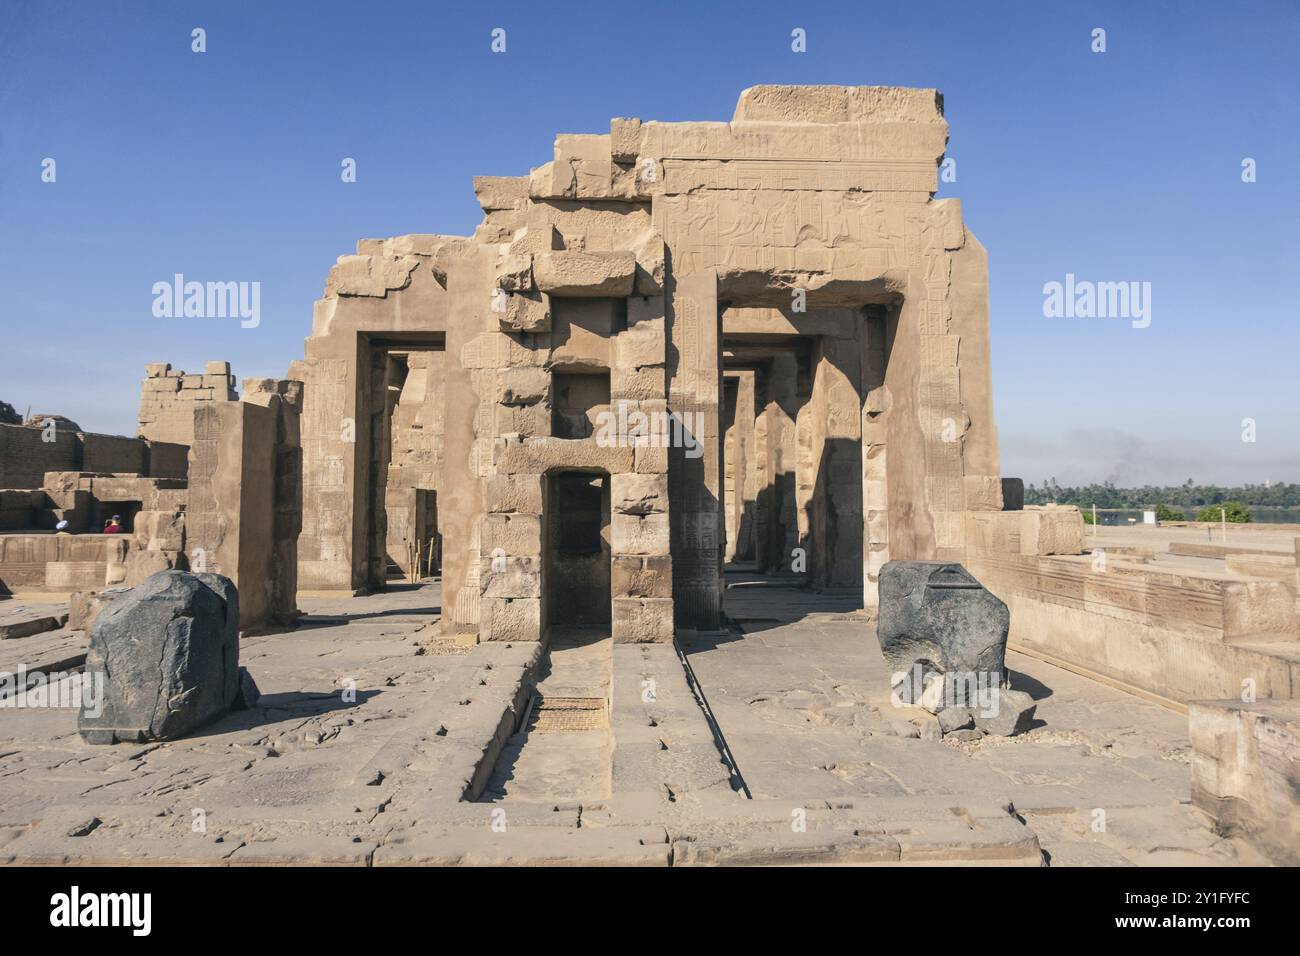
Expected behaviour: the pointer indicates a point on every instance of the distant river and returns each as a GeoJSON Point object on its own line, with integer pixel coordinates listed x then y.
{"type": "Point", "coordinates": [1257, 515]}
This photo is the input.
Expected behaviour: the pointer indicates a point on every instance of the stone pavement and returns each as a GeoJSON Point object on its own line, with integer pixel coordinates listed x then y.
{"type": "Point", "coordinates": [563, 751]}
{"type": "Point", "coordinates": [48, 649]}
{"type": "Point", "coordinates": [378, 742]}
{"type": "Point", "coordinates": [1102, 777]}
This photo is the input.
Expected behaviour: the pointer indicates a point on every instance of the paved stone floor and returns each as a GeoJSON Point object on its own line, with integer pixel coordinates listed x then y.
{"type": "Point", "coordinates": [1101, 777]}
{"type": "Point", "coordinates": [379, 742]}
{"type": "Point", "coordinates": [563, 752]}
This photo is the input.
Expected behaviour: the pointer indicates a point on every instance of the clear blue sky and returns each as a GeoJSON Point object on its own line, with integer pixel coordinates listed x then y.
{"type": "Point", "coordinates": [1117, 166]}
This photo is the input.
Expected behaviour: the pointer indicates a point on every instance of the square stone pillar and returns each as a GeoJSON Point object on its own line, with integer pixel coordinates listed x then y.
{"type": "Point", "coordinates": [284, 399]}
{"type": "Point", "coordinates": [695, 467]}
{"type": "Point", "coordinates": [460, 492]}
{"type": "Point", "coordinates": [230, 518]}
{"type": "Point", "coordinates": [782, 464]}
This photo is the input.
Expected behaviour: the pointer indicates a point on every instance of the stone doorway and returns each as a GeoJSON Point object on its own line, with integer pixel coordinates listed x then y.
{"type": "Point", "coordinates": [792, 455]}
{"type": "Point", "coordinates": [576, 551]}
{"type": "Point", "coordinates": [403, 412]}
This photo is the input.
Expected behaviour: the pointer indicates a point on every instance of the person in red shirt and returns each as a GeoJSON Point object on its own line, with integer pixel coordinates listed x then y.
{"type": "Point", "coordinates": [113, 525]}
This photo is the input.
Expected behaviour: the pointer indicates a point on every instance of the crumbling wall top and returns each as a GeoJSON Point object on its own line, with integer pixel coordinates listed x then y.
{"type": "Point", "coordinates": [839, 104]}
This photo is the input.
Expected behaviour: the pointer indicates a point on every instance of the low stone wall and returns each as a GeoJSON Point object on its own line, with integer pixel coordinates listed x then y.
{"type": "Point", "coordinates": [57, 562]}
{"type": "Point", "coordinates": [1244, 771]}
{"type": "Point", "coordinates": [33, 557]}
{"type": "Point", "coordinates": [26, 456]}
{"type": "Point", "coordinates": [85, 500]}
{"type": "Point", "coordinates": [1274, 567]}
{"type": "Point", "coordinates": [1179, 635]}
{"type": "Point", "coordinates": [113, 453]}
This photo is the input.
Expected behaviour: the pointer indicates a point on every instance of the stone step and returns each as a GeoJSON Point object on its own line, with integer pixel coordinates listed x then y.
{"type": "Point", "coordinates": [11, 630]}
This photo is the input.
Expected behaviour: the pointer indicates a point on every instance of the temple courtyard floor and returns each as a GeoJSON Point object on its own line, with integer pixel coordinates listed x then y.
{"type": "Point", "coordinates": [379, 742]}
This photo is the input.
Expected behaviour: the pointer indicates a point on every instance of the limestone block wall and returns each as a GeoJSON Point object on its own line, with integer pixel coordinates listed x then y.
{"type": "Point", "coordinates": [50, 562]}
{"type": "Point", "coordinates": [113, 453]}
{"type": "Point", "coordinates": [166, 459]}
{"type": "Point", "coordinates": [18, 508]}
{"type": "Point", "coordinates": [168, 397]}
{"type": "Point", "coordinates": [1175, 634]}
{"type": "Point", "coordinates": [27, 452]}
{"type": "Point", "coordinates": [86, 499]}
{"type": "Point", "coordinates": [817, 194]}
{"type": "Point", "coordinates": [1244, 771]}
{"type": "Point", "coordinates": [25, 456]}
{"type": "Point", "coordinates": [588, 334]}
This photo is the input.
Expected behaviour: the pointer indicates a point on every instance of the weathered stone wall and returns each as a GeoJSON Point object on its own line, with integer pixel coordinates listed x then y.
{"type": "Point", "coordinates": [26, 455]}
{"type": "Point", "coordinates": [84, 558]}
{"type": "Point", "coordinates": [622, 257]}
{"type": "Point", "coordinates": [55, 562]}
{"type": "Point", "coordinates": [1170, 632]}
{"type": "Point", "coordinates": [168, 397]}
{"type": "Point", "coordinates": [85, 500]}
{"type": "Point", "coordinates": [587, 334]}
{"type": "Point", "coordinates": [1244, 771]}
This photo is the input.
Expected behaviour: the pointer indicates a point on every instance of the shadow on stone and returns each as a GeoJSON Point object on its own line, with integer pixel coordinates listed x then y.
{"type": "Point", "coordinates": [273, 708]}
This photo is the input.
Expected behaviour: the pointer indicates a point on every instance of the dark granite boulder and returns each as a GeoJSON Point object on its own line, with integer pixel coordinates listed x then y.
{"type": "Point", "coordinates": [944, 636]}
{"type": "Point", "coordinates": [167, 653]}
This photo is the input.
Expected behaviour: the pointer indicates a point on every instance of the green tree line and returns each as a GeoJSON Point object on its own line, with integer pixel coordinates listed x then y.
{"type": "Point", "coordinates": [1188, 495]}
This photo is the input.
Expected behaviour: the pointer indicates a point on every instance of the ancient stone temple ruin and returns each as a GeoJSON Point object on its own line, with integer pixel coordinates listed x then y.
{"type": "Point", "coordinates": [675, 343]}
{"type": "Point", "coordinates": [685, 382]}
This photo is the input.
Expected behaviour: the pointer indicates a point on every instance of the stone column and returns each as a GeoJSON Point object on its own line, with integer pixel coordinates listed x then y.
{"type": "Point", "coordinates": [782, 467]}
{"type": "Point", "coordinates": [839, 485]}
{"type": "Point", "coordinates": [741, 445]}
{"type": "Point", "coordinates": [695, 487]}
{"type": "Point", "coordinates": [460, 494]}
{"type": "Point", "coordinates": [875, 499]}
